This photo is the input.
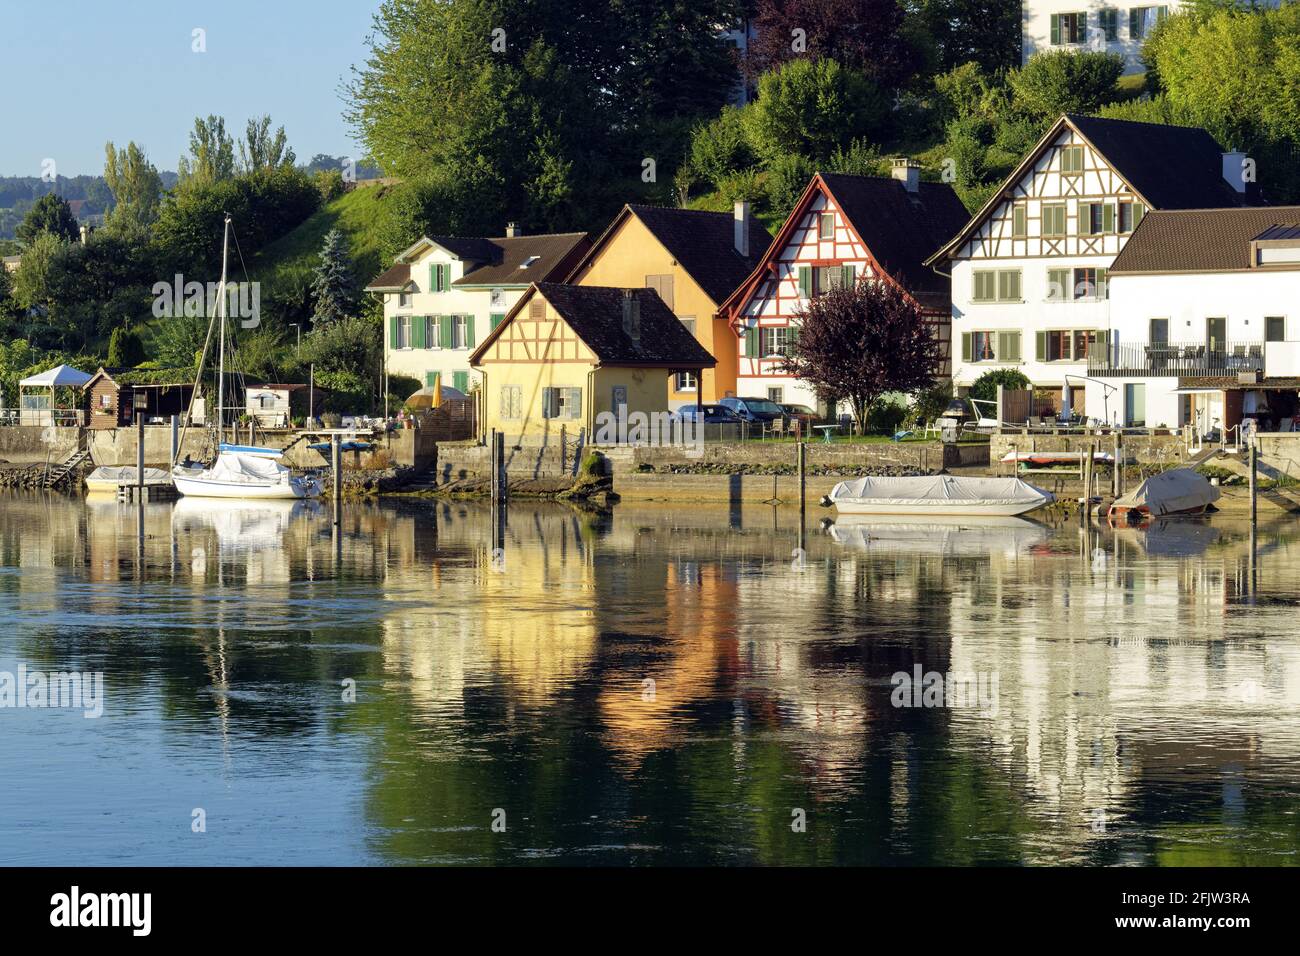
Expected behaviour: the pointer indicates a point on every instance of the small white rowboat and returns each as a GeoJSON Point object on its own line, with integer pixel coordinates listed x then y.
{"type": "Point", "coordinates": [937, 495]}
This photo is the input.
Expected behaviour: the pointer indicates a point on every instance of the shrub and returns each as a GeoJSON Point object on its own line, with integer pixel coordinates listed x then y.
{"type": "Point", "coordinates": [719, 149]}
{"type": "Point", "coordinates": [985, 388]}
{"type": "Point", "coordinates": [811, 107]}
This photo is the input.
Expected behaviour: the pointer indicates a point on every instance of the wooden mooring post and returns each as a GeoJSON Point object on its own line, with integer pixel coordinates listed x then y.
{"type": "Point", "coordinates": [336, 461]}
{"type": "Point", "coordinates": [1254, 480]}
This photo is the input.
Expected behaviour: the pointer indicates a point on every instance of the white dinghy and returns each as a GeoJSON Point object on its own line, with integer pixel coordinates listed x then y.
{"type": "Point", "coordinates": [937, 495]}
{"type": "Point", "coordinates": [107, 479]}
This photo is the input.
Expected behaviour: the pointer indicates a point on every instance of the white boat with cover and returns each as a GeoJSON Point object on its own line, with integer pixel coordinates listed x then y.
{"type": "Point", "coordinates": [1178, 491]}
{"type": "Point", "coordinates": [244, 473]}
{"type": "Point", "coordinates": [937, 495]}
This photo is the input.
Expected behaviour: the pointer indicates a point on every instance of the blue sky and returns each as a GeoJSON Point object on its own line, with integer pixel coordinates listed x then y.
{"type": "Point", "coordinates": [77, 73]}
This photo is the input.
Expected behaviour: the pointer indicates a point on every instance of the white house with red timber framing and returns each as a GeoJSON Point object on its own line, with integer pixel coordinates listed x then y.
{"type": "Point", "coordinates": [843, 229]}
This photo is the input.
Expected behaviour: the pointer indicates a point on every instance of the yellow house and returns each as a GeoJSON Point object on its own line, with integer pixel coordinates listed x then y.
{"type": "Point", "coordinates": [694, 260]}
{"type": "Point", "coordinates": [590, 359]}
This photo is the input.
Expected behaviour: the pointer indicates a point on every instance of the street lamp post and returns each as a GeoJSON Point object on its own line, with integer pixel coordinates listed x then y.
{"type": "Point", "coordinates": [299, 328]}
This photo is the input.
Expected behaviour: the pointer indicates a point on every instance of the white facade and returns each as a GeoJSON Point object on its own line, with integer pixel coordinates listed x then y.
{"type": "Point", "coordinates": [1029, 284]}
{"type": "Point", "coordinates": [1157, 318]}
{"type": "Point", "coordinates": [1099, 27]}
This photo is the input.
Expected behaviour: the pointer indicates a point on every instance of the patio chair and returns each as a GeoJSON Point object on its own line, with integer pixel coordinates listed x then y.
{"type": "Point", "coordinates": [777, 428]}
{"type": "Point", "coordinates": [1035, 421]}
{"type": "Point", "coordinates": [931, 428]}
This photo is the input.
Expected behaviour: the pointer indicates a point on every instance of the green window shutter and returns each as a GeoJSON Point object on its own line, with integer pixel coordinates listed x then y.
{"type": "Point", "coordinates": [495, 319]}
{"type": "Point", "coordinates": [444, 331]}
{"type": "Point", "coordinates": [548, 397]}
{"type": "Point", "coordinates": [573, 402]}
{"type": "Point", "coordinates": [805, 281]}
{"type": "Point", "coordinates": [460, 381]}
{"type": "Point", "coordinates": [1108, 218]}
{"type": "Point", "coordinates": [1103, 283]}
{"type": "Point", "coordinates": [1133, 14]}
{"type": "Point", "coordinates": [850, 273]}
{"type": "Point", "coordinates": [392, 332]}
{"type": "Point", "coordinates": [418, 324]}
{"type": "Point", "coordinates": [1056, 29]}
{"type": "Point", "coordinates": [430, 379]}
{"type": "Point", "coordinates": [469, 331]}
{"type": "Point", "coordinates": [1009, 346]}
{"type": "Point", "coordinates": [1040, 346]}
{"type": "Point", "coordinates": [1083, 28]}
{"type": "Point", "coordinates": [751, 342]}
{"type": "Point", "coordinates": [965, 347]}
{"type": "Point", "coordinates": [1139, 210]}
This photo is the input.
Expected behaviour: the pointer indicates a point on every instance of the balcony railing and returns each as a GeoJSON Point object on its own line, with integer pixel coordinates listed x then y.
{"type": "Point", "coordinates": [1176, 361]}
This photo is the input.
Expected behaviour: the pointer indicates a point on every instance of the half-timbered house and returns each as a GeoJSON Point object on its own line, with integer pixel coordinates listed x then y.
{"type": "Point", "coordinates": [842, 229]}
{"type": "Point", "coordinates": [1030, 269]}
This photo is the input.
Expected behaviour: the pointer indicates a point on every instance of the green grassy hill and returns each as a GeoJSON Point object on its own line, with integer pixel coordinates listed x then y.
{"type": "Point", "coordinates": [289, 260]}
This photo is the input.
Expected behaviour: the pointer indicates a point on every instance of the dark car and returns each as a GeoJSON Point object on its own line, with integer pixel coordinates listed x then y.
{"type": "Point", "coordinates": [801, 413]}
{"type": "Point", "coordinates": [711, 414]}
{"type": "Point", "coordinates": [756, 411]}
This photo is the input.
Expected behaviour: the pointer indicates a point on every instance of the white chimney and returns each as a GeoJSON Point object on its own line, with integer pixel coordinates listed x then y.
{"type": "Point", "coordinates": [907, 172]}
{"type": "Point", "coordinates": [742, 228]}
{"type": "Point", "coordinates": [1234, 170]}
{"type": "Point", "coordinates": [632, 315]}
{"type": "Point", "coordinates": [85, 234]}
{"type": "Point", "coordinates": [512, 230]}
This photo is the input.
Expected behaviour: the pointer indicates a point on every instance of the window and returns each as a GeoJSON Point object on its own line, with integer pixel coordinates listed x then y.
{"type": "Point", "coordinates": [776, 394]}
{"type": "Point", "coordinates": [460, 381]}
{"type": "Point", "coordinates": [814, 280]}
{"type": "Point", "coordinates": [1000, 286]}
{"type": "Point", "coordinates": [1072, 160]}
{"type": "Point", "coordinates": [774, 340]}
{"type": "Point", "coordinates": [1096, 218]}
{"type": "Point", "coordinates": [512, 402]}
{"type": "Point", "coordinates": [1058, 281]}
{"type": "Point", "coordinates": [438, 276]}
{"type": "Point", "coordinates": [1019, 222]}
{"type": "Point", "coordinates": [562, 403]}
{"type": "Point", "coordinates": [990, 347]}
{"type": "Point", "coordinates": [403, 300]}
{"type": "Point", "coordinates": [1108, 23]}
{"type": "Point", "coordinates": [1090, 283]}
{"type": "Point", "coordinates": [1064, 345]}
{"type": "Point", "coordinates": [685, 382]}
{"type": "Point", "coordinates": [402, 339]}
{"type": "Point", "coordinates": [1130, 214]}
{"type": "Point", "coordinates": [662, 284]}
{"type": "Point", "coordinates": [428, 324]}
{"type": "Point", "coordinates": [1275, 328]}
{"type": "Point", "coordinates": [495, 319]}
{"type": "Point", "coordinates": [1069, 28]}
{"type": "Point", "coordinates": [1142, 20]}
{"type": "Point", "coordinates": [1158, 332]}
{"type": "Point", "coordinates": [689, 322]}
{"type": "Point", "coordinates": [105, 400]}
{"type": "Point", "coordinates": [537, 310]}
{"type": "Point", "coordinates": [461, 331]}
{"type": "Point", "coordinates": [1054, 219]}
{"type": "Point", "coordinates": [826, 226]}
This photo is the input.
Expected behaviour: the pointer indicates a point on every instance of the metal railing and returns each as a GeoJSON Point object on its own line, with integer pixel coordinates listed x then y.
{"type": "Point", "coordinates": [1175, 360]}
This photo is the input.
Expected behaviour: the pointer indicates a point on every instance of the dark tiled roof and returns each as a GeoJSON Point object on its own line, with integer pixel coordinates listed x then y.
{"type": "Point", "coordinates": [395, 278]}
{"type": "Point", "coordinates": [556, 255]}
{"type": "Point", "coordinates": [595, 313]}
{"type": "Point", "coordinates": [1200, 240]}
{"type": "Point", "coordinates": [1229, 383]}
{"type": "Point", "coordinates": [1173, 167]}
{"type": "Point", "coordinates": [467, 247]}
{"type": "Point", "coordinates": [704, 243]}
{"type": "Point", "coordinates": [902, 229]}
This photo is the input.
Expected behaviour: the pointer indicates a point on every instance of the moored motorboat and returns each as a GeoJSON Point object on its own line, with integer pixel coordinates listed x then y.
{"type": "Point", "coordinates": [937, 495]}
{"type": "Point", "coordinates": [1178, 491]}
{"type": "Point", "coordinates": [1048, 459]}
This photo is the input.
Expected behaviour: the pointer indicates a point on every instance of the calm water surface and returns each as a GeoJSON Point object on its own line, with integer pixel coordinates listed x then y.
{"type": "Point", "coordinates": [666, 685]}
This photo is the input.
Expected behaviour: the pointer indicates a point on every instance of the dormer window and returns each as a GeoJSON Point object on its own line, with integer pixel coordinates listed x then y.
{"type": "Point", "coordinates": [528, 262]}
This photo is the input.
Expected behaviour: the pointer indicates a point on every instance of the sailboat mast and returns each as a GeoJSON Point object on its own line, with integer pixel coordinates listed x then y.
{"type": "Point", "coordinates": [221, 364]}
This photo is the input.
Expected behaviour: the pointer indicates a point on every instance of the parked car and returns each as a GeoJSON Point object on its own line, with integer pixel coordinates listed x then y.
{"type": "Point", "coordinates": [756, 411]}
{"type": "Point", "coordinates": [802, 414]}
{"type": "Point", "coordinates": [711, 414]}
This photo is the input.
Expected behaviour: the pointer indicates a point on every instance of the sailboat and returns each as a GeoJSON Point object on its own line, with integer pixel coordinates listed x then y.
{"type": "Point", "coordinates": [239, 471]}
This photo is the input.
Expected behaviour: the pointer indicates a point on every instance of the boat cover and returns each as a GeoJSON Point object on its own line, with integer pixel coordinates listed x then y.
{"type": "Point", "coordinates": [1172, 491]}
{"type": "Point", "coordinates": [125, 474]}
{"type": "Point", "coordinates": [939, 489]}
{"type": "Point", "coordinates": [245, 468]}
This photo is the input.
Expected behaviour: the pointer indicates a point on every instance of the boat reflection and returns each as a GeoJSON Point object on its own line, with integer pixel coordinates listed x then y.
{"type": "Point", "coordinates": [924, 535]}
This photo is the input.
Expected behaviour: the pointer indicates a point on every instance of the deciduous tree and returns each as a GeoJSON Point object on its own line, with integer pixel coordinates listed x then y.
{"type": "Point", "coordinates": [860, 342]}
{"type": "Point", "coordinates": [137, 188]}
{"type": "Point", "coordinates": [49, 214]}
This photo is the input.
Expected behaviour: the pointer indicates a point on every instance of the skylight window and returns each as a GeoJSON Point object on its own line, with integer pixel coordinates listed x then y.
{"type": "Point", "coordinates": [528, 262]}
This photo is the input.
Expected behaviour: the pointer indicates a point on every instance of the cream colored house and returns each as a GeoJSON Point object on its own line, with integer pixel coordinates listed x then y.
{"type": "Point", "coordinates": [446, 293]}
{"type": "Point", "coordinates": [580, 357]}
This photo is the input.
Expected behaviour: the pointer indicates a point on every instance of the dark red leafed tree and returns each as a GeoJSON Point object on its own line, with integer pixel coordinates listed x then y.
{"type": "Point", "coordinates": [864, 35]}
{"type": "Point", "coordinates": [861, 342]}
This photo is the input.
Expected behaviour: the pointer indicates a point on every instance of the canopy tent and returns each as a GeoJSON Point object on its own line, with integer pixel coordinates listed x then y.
{"type": "Point", "coordinates": [33, 409]}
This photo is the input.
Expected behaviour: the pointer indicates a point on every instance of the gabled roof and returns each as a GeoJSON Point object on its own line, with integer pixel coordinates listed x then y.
{"type": "Point", "coordinates": [395, 279]}
{"type": "Point", "coordinates": [548, 257]}
{"type": "Point", "coordinates": [702, 242]}
{"type": "Point", "coordinates": [595, 313]}
{"type": "Point", "coordinates": [492, 262]}
{"type": "Point", "coordinates": [1202, 240]}
{"type": "Point", "coordinates": [152, 377]}
{"type": "Point", "coordinates": [899, 229]}
{"type": "Point", "coordinates": [1168, 167]}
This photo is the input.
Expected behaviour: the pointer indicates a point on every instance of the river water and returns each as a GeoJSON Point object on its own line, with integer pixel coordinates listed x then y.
{"type": "Point", "coordinates": [670, 684]}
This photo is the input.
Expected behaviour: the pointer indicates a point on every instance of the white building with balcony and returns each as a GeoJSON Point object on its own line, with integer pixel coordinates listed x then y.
{"type": "Point", "coordinates": [1204, 322]}
{"type": "Point", "coordinates": [1031, 270]}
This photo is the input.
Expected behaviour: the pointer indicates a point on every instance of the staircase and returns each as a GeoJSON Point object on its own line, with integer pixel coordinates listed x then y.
{"type": "Point", "coordinates": [58, 474]}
